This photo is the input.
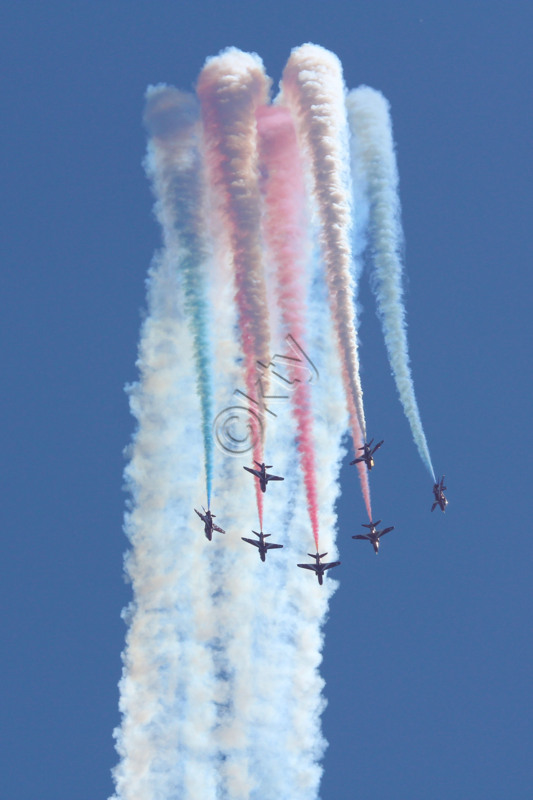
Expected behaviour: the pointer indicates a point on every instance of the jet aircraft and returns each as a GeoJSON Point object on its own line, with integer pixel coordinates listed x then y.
{"type": "Point", "coordinates": [263, 475]}
{"type": "Point", "coordinates": [261, 544]}
{"type": "Point", "coordinates": [374, 536]}
{"type": "Point", "coordinates": [209, 525]}
{"type": "Point", "coordinates": [317, 567]}
{"type": "Point", "coordinates": [367, 453]}
{"type": "Point", "coordinates": [438, 491]}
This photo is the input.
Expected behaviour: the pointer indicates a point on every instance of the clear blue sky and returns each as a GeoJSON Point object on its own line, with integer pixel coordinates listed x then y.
{"type": "Point", "coordinates": [428, 647]}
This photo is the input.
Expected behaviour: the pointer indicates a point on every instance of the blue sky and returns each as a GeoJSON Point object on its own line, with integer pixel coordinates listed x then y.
{"type": "Point", "coordinates": [428, 647]}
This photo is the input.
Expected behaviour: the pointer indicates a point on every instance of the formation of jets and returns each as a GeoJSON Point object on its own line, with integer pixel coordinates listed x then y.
{"type": "Point", "coordinates": [318, 567]}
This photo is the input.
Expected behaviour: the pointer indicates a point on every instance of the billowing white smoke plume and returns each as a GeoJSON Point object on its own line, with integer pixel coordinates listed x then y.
{"type": "Point", "coordinates": [167, 688]}
{"type": "Point", "coordinates": [221, 693]}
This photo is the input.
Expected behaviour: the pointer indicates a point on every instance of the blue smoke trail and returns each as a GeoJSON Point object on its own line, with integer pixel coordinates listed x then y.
{"type": "Point", "coordinates": [374, 166]}
{"type": "Point", "coordinates": [172, 119]}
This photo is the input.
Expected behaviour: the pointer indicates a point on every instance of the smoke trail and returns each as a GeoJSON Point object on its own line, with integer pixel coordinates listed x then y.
{"type": "Point", "coordinates": [288, 604]}
{"type": "Point", "coordinates": [172, 119]}
{"type": "Point", "coordinates": [221, 694]}
{"type": "Point", "coordinates": [291, 608]}
{"type": "Point", "coordinates": [374, 163]}
{"type": "Point", "coordinates": [313, 86]}
{"type": "Point", "coordinates": [270, 614]}
{"type": "Point", "coordinates": [230, 88]}
{"type": "Point", "coordinates": [225, 599]}
{"type": "Point", "coordinates": [284, 233]}
{"type": "Point", "coordinates": [167, 686]}
{"type": "Point", "coordinates": [267, 617]}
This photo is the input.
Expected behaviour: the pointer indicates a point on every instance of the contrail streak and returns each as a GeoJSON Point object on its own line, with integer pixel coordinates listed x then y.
{"type": "Point", "coordinates": [230, 87]}
{"type": "Point", "coordinates": [284, 233]}
{"type": "Point", "coordinates": [374, 162]}
{"type": "Point", "coordinates": [313, 86]}
{"type": "Point", "coordinates": [172, 118]}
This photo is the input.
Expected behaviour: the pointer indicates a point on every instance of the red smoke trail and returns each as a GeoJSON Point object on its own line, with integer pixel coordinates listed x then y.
{"type": "Point", "coordinates": [284, 228]}
{"type": "Point", "coordinates": [231, 87]}
{"type": "Point", "coordinates": [313, 87]}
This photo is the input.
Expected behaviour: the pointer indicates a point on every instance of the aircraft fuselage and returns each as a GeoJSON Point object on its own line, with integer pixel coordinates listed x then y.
{"type": "Point", "coordinates": [438, 492]}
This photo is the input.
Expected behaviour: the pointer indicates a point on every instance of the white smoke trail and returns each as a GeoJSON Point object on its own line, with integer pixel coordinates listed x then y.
{"type": "Point", "coordinates": [167, 684]}
{"type": "Point", "coordinates": [269, 616]}
{"type": "Point", "coordinates": [230, 87]}
{"type": "Point", "coordinates": [169, 687]}
{"type": "Point", "coordinates": [221, 694]}
{"type": "Point", "coordinates": [314, 89]}
{"type": "Point", "coordinates": [287, 606]}
{"type": "Point", "coordinates": [374, 168]}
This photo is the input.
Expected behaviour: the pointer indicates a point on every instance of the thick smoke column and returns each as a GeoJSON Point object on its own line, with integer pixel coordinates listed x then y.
{"type": "Point", "coordinates": [221, 693]}
{"type": "Point", "coordinates": [169, 682]}
{"type": "Point", "coordinates": [231, 87]}
{"type": "Point", "coordinates": [313, 86]}
{"type": "Point", "coordinates": [285, 235]}
{"type": "Point", "coordinates": [374, 163]}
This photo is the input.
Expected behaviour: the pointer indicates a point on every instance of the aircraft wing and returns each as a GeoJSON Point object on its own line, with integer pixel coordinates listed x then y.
{"type": "Point", "coordinates": [307, 566]}
{"type": "Point", "coordinates": [198, 514]}
{"type": "Point", "coordinates": [357, 461]}
{"type": "Point", "coordinates": [272, 546]}
{"type": "Point", "coordinates": [216, 528]}
{"type": "Point", "coordinates": [250, 541]}
{"type": "Point", "coordinates": [273, 478]}
{"type": "Point", "coordinates": [254, 472]}
{"type": "Point", "coordinates": [360, 536]}
{"type": "Point", "coordinates": [382, 533]}
{"type": "Point", "coordinates": [332, 564]}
